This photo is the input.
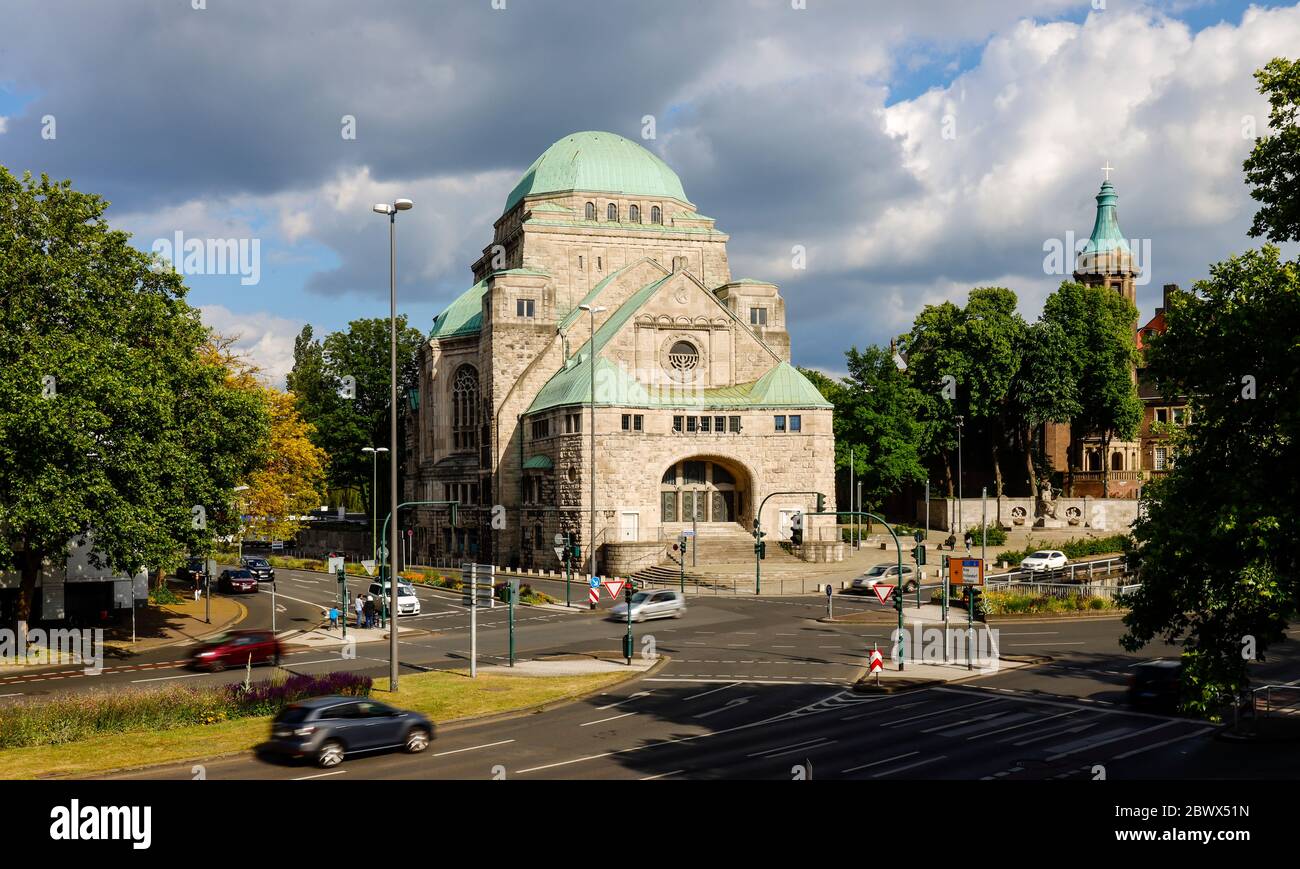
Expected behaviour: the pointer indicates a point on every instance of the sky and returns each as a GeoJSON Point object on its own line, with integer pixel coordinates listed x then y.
{"type": "Point", "coordinates": [913, 150]}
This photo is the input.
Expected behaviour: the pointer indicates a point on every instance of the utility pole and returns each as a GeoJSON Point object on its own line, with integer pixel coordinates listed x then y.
{"type": "Point", "coordinates": [960, 526]}
{"type": "Point", "coordinates": [853, 507]}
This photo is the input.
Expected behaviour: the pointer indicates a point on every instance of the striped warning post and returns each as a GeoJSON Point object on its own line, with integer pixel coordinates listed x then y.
{"type": "Point", "coordinates": [593, 596]}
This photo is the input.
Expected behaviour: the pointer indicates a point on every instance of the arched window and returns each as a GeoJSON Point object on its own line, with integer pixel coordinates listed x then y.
{"type": "Point", "coordinates": [464, 408]}
{"type": "Point", "coordinates": [611, 212]}
{"type": "Point", "coordinates": [1117, 461]}
{"type": "Point", "coordinates": [634, 214]}
{"type": "Point", "coordinates": [656, 214]}
{"type": "Point", "coordinates": [591, 211]}
{"type": "Point", "coordinates": [683, 358]}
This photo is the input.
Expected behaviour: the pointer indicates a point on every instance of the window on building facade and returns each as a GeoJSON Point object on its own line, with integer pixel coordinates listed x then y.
{"type": "Point", "coordinates": [573, 423]}
{"type": "Point", "coordinates": [733, 424]}
{"type": "Point", "coordinates": [779, 422]}
{"type": "Point", "coordinates": [525, 308]}
{"type": "Point", "coordinates": [692, 423]}
{"type": "Point", "coordinates": [706, 423]}
{"type": "Point", "coordinates": [683, 358]}
{"type": "Point", "coordinates": [599, 267]}
{"type": "Point", "coordinates": [611, 212]}
{"type": "Point", "coordinates": [796, 423]}
{"type": "Point", "coordinates": [1162, 415]}
{"type": "Point", "coordinates": [633, 422]}
{"type": "Point", "coordinates": [591, 211]}
{"type": "Point", "coordinates": [634, 214]}
{"type": "Point", "coordinates": [656, 214]}
{"type": "Point", "coordinates": [541, 428]}
{"type": "Point", "coordinates": [579, 262]}
{"type": "Point", "coordinates": [1180, 416]}
{"type": "Point", "coordinates": [719, 424]}
{"type": "Point", "coordinates": [692, 472]}
{"type": "Point", "coordinates": [1161, 458]}
{"type": "Point", "coordinates": [758, 316]}
{"type": "Point", "coordinates": [677, 423]}
{"type": "Point", "coordinates": [464, 408]}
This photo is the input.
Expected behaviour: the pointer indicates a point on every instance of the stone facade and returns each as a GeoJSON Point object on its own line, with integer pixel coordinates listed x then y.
{"type": "Point", "coordinates": [692, 384]}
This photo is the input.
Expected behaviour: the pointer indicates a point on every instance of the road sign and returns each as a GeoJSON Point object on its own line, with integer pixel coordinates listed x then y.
{"type": "Point", "coordinates": [877, 661]}
{"type": "Point", "coordinates": [559, 552]}
{"type": "Point", "coordinates": [593, 595]}
{"type": "Point", "coordinates": [558, 539]}
{"type": "Point", "coordinates": [828, 589]}
{"type": "Point", "coordinates": [336, 564]}
{"type": "Point", "coordinates": [369, 567]}
{"type": "Point", "coordinates": [614, 586]}
{"type": "Point", "coordinates": [966, 571]}
{"type": "Point", "coordinates": [888, 590]}
{"type": "Point", "coordinates": [595, 582]}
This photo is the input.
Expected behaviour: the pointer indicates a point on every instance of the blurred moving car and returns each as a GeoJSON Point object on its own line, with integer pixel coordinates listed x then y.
{"type": "Point", "coordinates": [234, 649]}
{"type": "Point", "coordinates": [1156, 684]}
{"type": "Point", "coordinates": [886, 572]}
{"type": "Point", "coordinates": [259, 567]}
{"type": "Point", "coordinates": [662, 604]}
{"type": "Point", "coordinates": [407, 603]}
{"type": "Point", "coordinates": [237, 581]}
{"type": "Point", "coordinates": [1045, 559]}
{"type": "Point", "coordinates": [326, 729]}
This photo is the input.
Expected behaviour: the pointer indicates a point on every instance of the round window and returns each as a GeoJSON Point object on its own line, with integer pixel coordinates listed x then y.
{"type": "Point", "coordinates": [683, 357]}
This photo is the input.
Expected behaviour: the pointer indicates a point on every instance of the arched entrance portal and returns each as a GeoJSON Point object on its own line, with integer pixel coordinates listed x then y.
{"type": "Point", "coordinates": [704, 489]}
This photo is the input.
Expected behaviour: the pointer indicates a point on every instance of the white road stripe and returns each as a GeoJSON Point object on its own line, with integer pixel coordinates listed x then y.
{"type": "Point", "coordinates": [1097, 741]}
{"type": "Point", "coordinates": [1200, 732]}
{"type": "Point", "coordinates": [711, 691]}
{"type": "Point", "coordinates": [473, 748]}
{"type": "Point", "coordinates": [320, 775]}
{"type": "Point", "coordinates": [879, 762]}
{"type": "Point", "coordinates": [603, 720]}
{"type": "Point", "coordinates": [910, 766]}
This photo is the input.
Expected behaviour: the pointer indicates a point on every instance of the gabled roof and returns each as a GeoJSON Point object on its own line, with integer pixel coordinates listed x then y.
{"type": "Point", "coordinates": [782, 386]}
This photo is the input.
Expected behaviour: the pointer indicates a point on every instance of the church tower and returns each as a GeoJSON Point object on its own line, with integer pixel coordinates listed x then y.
{"type": "Point", "coordinates": [1106, 260]}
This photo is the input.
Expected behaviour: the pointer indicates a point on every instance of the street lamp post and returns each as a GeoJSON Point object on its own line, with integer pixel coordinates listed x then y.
{"type": "Point", "coordinates": [593, 310]}
{"type": "Point", "coordinates": [960, 526]}
{"type": "Point", "coordinates": [391, 211]}
{"type": "Point", "coordinates": [695, 532]}
{"type": "Point", "coordinates": [374, 493]}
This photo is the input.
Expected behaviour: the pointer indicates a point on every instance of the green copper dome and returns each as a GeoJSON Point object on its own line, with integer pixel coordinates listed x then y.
{"type": "Point", "coordinates": [1106, 234]}
{"type": "Point", "coordinates": [599, 163]}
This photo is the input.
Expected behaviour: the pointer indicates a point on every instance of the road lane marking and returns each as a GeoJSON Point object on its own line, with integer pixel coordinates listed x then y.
{"type": "Point", "coordinates": [711, 691]}
{"type": "Point", "coordinates": [940, 712]}
{"type": "Point", "coordinates": [473, 748]}
{"type": "Point", "coordinates": [879, 762]}
{"type": "Point", "coordinates": [1200, 732]}
{"type": "Point", "coordinates": [663, 775]}
{"type": "Point", "coordinates": [1099, 740]}
{"type": "Point", "coordinates": [612, 718]}
{"type": "Point", "coordinates": [627, 699]}
{"type": "Point", "coordinates": [779, 750]}
{"type": "Point", "coordinates": [1078, 728]}
{"type": "Point", "coordinates": [165, 678]}
{"type": "Point", "coordinates": [1026, 724]}
{"type": "Point", "coordinates": [320, 775]}
{"type": "Point", "coordinates": [910, 766]}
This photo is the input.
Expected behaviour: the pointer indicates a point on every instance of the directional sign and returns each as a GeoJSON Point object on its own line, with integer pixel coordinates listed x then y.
{"type": "Point", "coordinates": [888, 590]}
{"type": "Point", "coordinates": [966, 571]}
{"type": "Point", "coordinates": [614, 586]}
{"type": "Point", "coordinates": [594, 582]}
{"type": "Point", "coordinates": [336, 564]}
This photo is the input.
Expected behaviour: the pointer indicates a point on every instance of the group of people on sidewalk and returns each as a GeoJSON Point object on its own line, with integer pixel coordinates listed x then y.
{"type": "Point", "coordinates": [367, 613]}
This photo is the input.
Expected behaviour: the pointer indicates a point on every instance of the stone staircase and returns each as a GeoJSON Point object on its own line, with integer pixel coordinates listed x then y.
{"type": "Point", "coordinates": [724, 552]}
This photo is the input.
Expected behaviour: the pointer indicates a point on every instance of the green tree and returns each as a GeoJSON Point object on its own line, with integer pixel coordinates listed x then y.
{"type": "Point", "coordinates": [1043, 390]}
{"type": "Point", "coordinates": [1098, 325]}
{"type": "Point", "coordinates": [991, 340]}
{"type": "Point", "coordinates": [344, 425]}
{"type": "Point", "coordinates": [876, 420]}
{"type": "Point", "coordinates": [1220, 543]}
{"type": "Point", "coordinates": [1273, 167]}
{"type": "Point", "coordinates": [113, 421]}
{"type": "Point", "coordinates": [934, 352]}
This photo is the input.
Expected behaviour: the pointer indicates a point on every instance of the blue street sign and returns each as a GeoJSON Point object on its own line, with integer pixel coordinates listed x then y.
{"type": "Point", "coordinates": [595, 582]}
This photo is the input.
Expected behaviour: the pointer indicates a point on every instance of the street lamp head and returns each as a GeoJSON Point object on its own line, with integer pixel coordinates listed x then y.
{"type": "Point", "coordinates": [382, 450]}
{"type": "Point", "coordinates": [381, 208]}
{"type": "Point", "coordinates": [403, 205]}
{"type": "Point", "coordinates": [367, 449]}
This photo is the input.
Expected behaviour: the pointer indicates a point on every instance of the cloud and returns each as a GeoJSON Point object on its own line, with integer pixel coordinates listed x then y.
{"type": "Point", "coordinates": [266, 340]}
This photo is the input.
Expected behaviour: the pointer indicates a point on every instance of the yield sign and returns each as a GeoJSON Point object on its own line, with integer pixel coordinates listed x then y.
{"type": "Point", "coordinates": [614, 586]}
{"type": "Point", "coordinates": [888, 590]}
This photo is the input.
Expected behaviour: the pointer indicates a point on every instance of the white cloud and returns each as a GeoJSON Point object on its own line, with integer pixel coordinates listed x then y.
{"type": "Point", "coordinates": [267, 340]}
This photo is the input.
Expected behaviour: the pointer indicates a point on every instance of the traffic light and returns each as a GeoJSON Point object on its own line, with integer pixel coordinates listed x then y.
{"type": "Point", "coordinates": [898, 598]}
{"type": "Point", "coordinates": [340, 575]}
{"type": "Point", "coordinates": [577, 552]}
{"type": "Point", "coordinates": [761, 549]}
{"type": "Point", "coordinates": [919, 553]}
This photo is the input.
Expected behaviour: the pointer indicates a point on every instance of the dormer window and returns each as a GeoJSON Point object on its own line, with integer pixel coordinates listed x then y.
{"type": "Point", "coordinates": [611, 213]}
{"type": "Point", "coordinates": [591, 211]}
{"type": "Point", "coordinates": [634, 214]}
{"type": "Point", "coordinates": [656, 214]}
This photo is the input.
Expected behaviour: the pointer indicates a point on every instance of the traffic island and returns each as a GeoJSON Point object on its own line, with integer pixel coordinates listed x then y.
{"type": "Point", "coordinates": [929, 674]}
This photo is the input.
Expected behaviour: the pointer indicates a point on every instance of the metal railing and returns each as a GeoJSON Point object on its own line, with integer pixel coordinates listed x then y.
{"type": "Point", "coordinates": [1109, 591]}
{"type": "Point", "coordinates": [1079, 571]}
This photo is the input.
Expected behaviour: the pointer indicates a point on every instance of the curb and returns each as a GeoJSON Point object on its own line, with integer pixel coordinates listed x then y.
{"type": "Point", "coordinates": [240, 614]}
{"type": "Point", "coordinates": [900, 685]}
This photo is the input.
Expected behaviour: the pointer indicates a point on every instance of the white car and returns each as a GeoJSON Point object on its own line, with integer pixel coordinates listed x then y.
{"type": "Point", "coordinates": [407, 603]}
{"type": "Point", "coordinates": [1044, 559]}
{"type": "Point", "coordinates": [887, 573]}
{"type": "Point", "coordinates": [663, 604]}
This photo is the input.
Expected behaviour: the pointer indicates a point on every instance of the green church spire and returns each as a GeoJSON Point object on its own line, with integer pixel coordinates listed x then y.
{"type": "Point", "coordinates": [1106, 234]}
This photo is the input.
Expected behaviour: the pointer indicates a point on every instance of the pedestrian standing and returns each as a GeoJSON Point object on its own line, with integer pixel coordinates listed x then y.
{"type": "Point", "coordinates": [334, 617]}
{"type": "Point", "coordinates": [361, 610]}
{"type": "Point", "coordinates": [369, 609]}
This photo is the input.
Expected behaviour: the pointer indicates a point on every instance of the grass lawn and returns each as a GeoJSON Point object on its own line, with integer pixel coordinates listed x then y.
{"type": "Point", "coordinates": [442, 695]}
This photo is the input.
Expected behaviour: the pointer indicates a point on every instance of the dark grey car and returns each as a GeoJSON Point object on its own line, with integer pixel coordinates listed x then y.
{"type": "Point", "coordinates": [326, 729]}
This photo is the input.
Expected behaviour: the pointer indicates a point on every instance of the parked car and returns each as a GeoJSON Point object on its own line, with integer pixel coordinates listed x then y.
{"type": "Point", "coordinates": [662, 604]}
{"type": "Point", "coordinates": [1156, 684]}
{"type": "Point", "coordinates": [886, 572]}
{"type": "Point", "coordinates": [327, 729]}
{"type": "Point", "coordinates": [234, 648]}
{"type": "Point", "coordinates": [237, 581]}
{"type": "Point", "coordinates": [192, 571]}
{"type": "Point", "coordinates": [259, 567]}
{"type": "Point", "coordinates": [1045, 559]}
{"type": "Point", "coordinates": [407, 603]}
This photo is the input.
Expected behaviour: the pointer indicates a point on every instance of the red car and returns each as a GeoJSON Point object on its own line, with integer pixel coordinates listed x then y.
{"type": "Point", "coordinates": [234, 648]}
{"type": "Point", "coordinates": [237, 582]}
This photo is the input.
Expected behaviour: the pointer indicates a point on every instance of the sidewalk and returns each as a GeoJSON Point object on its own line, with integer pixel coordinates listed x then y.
{"type": "Point", "coordinates": [174, 624]}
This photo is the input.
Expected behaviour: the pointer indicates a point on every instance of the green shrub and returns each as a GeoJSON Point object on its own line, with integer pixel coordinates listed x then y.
{"type": "Point", "coordinates": [1011, 602]}
{"type": "Point", "coordinates": [1080, 548]}
{"type": "Point", "coordinates": [163, 595]}
{"type": "Point", "coordinates": [997, 535]}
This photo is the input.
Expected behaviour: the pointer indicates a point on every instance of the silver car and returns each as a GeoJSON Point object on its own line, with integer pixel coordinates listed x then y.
{"type": "Point", "coordinates": [663, 604]}
{"type": "Point", "coordinates": [887, 573]}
